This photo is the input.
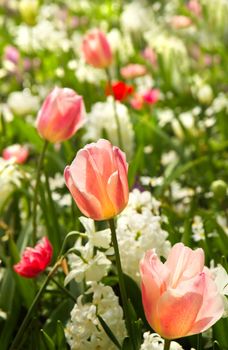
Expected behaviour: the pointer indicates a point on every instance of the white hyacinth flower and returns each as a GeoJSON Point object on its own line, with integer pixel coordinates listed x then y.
{"type": "Point", "coordinates": [102, 120]}
{"type": "Point", "coordinates": [138, 230]}
{"type": "Point", "coordinates": [84, 331]}
{"type": "Point", "coordinates": [153, 341]}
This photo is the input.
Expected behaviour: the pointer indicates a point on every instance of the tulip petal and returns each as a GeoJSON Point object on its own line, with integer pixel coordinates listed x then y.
{"type": "Point", "coordinates": [87, 203]}
{"type": "Point", "coordinates": [154, 275]}
{"type": "Point", "coordinates": [177, 309]}
{"type": "Point", "coordinates": [184, 263]}
{"type": "Point", "coordinates": [211, 309]}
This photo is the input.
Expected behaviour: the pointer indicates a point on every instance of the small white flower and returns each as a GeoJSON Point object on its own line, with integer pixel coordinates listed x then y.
{"type": "Point", "coordinates": [87, 265]}
{"type": "Point", "coordinates": [101, 239]}
{"type": "Point", "coordinates": [221, 279]}
{"type": "Point", "coordinates": [198, 229]}
{"type": "Point", "coordinates": [153, 341]}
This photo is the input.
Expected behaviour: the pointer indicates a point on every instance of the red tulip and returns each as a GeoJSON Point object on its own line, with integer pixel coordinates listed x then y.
{"type": "Point", "coordinates": [179, 297]}
{"type": "Point", "coordinates": [119, 90]}
{"type": "Point", "coordinates": [96, 49]}
{"type": "Point", "coordinates": [97, 180]}
{"type": "Point", "coordinates": [61, 115]}
{"type": "Point", "coordinates": [35, 260]}
{"type": "Point", "coordinates": [16, 152]}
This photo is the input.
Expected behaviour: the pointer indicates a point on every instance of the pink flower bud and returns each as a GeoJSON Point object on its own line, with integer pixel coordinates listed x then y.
{"type": "Point", "coordinates": [180, 22]}
{"type": "Point", "coordinates": [179, 297]}
{"type": "Point", "coordinates": [16, 152]}
{"type": "Point", "coordinates": [35, 260]}
{"type": "Point", "coordinates": [151, 96]}
{"type": "Point", "coordinates": [133, 71]}
{"type": "Point", "coordinates": [96, 49]}
{"type": "Point", "coordinates": [97, 180]}
{"type": "Point", "coordinates": [61, 115]}
{"type": "Point", "coordinates": [12, 54]}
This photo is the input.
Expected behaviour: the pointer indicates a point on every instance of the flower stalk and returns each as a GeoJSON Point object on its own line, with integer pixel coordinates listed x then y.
{"type": "Point", "coordinates": [35, 198]}
{"type": "Point", "coordinates": [167, 344]}
{"type": "Point", "coordinates": [123, 292]}
{"type": "Point", "coordinates": [120, 141]}
{"type": "Point", "coordinates": [16, 342]}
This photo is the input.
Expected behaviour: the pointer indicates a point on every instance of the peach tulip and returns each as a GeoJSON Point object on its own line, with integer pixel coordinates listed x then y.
{"type": "Point", "coordinates": [97, 180]}
{"type": "Point", "coordinates": [61, 115]}
{"type": "Point", "coordinates": [179, 297]}
{"type": "Point", "coordinates": [16, 152]}
{"type": "Point", "coordinates": [96, 49]}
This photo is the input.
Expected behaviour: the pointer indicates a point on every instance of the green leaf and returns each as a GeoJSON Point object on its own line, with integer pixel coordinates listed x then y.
{"type": "Point", "coordinates": [134, 166]}
{"type": "Point", "coordinates": [25, 286]}
{"type": "Point", "coordinates": [48, 342]}
{"type": "Point", "coordinates": [60, 337]}
{"type": "Point", "coordinates": [109, 332]}
{"type": "Point", "coordinates": [126, 344]}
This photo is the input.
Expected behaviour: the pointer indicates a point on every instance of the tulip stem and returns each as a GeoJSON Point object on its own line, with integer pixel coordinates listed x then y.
{"type": "Point", "coordinates": [35, 198]}
{"type": "Point", "coordinates": [16, 342]}
{"type": "Point", "coordinates": [122, 286]}
{"type": "Point", "coordinates": [167, 344]}
{"type": "Point", "coordinates": [120, 141]}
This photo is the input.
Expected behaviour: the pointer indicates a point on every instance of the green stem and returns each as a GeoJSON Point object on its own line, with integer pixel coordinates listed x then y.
{"type": "Point", "coordinates": [123, 292]}
{"type": "Point", "coordinates": [64, 290]}
{"type": "Point", "coordinates": [16, 345]}
{"type": "Point", "coordinates": [120, 141]}
{"type": "Point", "coordinates": [35, 198]}
{"type": "Point", "coordinates": [167, 344]}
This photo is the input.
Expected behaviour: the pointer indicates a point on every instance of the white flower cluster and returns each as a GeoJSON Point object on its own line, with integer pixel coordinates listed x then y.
{"type": "Point", "coordinates": [153, 341]}
{"type": "Point", "coordinates": [90, 264]}
{"type": "Point", "coordinates": [198, 229]}
{"type": "Point", "coordinates": [10, 178]}
{"type": "Point", "coordinates": [102, 120]}
{"type": "Point", "coordinates": [121, 43]}
{"type": "Point", "coordinates": [221, 279]}
{"type": "Point", "coordinates": [84, 331]}
{"type": "Point", "coordinates": [137, 17]}
{"type": "Point", "coordinates": [48, 34]}
{"type": "Point", "coordinates": [23, 102]}
{"type": "Point", "coordinates": [173, 53]}
{"type": "Point", "coordinates": [138, 230]}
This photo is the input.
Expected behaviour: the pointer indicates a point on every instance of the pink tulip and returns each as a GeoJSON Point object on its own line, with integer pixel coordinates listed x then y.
{"type": "Point", "coordinates": [137, 101]}
{"type": "Point", "coordinates": [151, 96]}
{"type": "Point", "coordinates": [179, 297]}
{"type": "Point", "coordinates": [12, 54]}
{"type": "Point", "coordinates": [97, 180]}
{"type": "Point", "coordinates": [150, 55]}
{"type": "Point", "coordinates": [16, 152]}
{"type": "Point", "coordinates": [180, 22]}
{"type": "Point", "coordinates": [35, 260]}
{"type": "Point", "coordinates": [133, 71]}
{"type": "Point", "coordinates": [195, 7]}
{"type": "Point", "coordinates": [61, 115]}
{"type": "Point", "coordinates": [96, 49]}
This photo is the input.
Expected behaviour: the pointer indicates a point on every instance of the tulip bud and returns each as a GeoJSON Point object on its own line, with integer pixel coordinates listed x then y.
{"type": "Point", "coordinates": [96, 49]}
{"type": "Point", "coordinates": [16, 152]}
{"type": "Point", "coordinates": [219, 189]}
{"type": "Point", "coordinates": [97, 180]}
{"type": "Point", "coordinates": [61, 115]}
